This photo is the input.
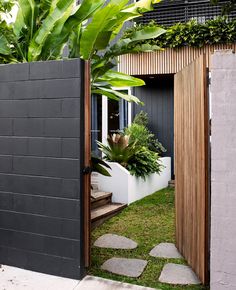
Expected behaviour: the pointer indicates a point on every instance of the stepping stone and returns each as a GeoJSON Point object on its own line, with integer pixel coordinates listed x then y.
{"type": "Point", "coordinates": [179, 275]}
{"type": "Point", "coordinates": [125, 267]}
{"type": "Point", "coordinates": [91, 283]}
{"type": "Point", "coordinates": [165, 250]}
{"type": "Point", "coordinates": [115, 242]}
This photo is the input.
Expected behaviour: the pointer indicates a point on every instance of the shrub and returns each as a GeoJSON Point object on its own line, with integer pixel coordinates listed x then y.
{"type": "Point", "coordinates": [118, 149]}
{"type": "Point", "coordinates": [139, 160]}
{"type": "Point", "coordinates": [215, 31]}
{"type": "Point", "coordinates": [140, 134]}
{"type": "Point", "coordinates": [141, 119]}
{"type": "Point", "coordinates": [144, 162]}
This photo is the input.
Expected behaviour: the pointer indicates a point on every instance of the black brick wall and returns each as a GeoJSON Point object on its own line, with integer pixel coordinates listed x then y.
{"type": "Point", "coordinates": [40, 167]}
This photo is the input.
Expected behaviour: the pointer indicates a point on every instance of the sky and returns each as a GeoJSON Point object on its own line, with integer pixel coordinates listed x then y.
{"type": "Point", "coordinates": [11, 18]}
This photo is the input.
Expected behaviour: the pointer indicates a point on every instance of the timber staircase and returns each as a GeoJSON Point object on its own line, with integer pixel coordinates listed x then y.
{"type": "Point", "coordinates": [102, 207]}
{"type": "Point", "coordinates": [172, 183]}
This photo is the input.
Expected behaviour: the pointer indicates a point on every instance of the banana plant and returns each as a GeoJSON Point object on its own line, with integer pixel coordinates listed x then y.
{"type": "Point", "coordinates": [44, 27]}
{"type": "Point", "coordinates": [108, 22]}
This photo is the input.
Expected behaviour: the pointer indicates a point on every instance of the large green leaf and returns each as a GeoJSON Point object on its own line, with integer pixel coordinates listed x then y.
{"type": "Point", "coordinates": [117, 94]}
{"type": "Point", "coordinates": [98, 165]}
{"type": "Point", "coordinates": [117, 79]}
{"type": "Point", "coordinates": [128, 45]}
{"type": "Point", "coordinates": [19, 23]}
{"type": "Point", "coordinates": [97, 27]}
{"type": "Point", "coordinates": [142, 6]}
{"type": "Point", "coordinates": [27, 15]}
{"type": "Point", "coordinates": [4, 47]}
{"type": "Point", "coordinates": [85, 11]}
{"type": "Point", "coordinates": [63, 29]}
{"type": "Point", "coordinates": [54, 44]}
{"type": "Point", "coordinates": [147, 33]}
{"type": "Point", "coordinates": [102, 92]}
{"type": "Point", "coordinates": [46, 28]}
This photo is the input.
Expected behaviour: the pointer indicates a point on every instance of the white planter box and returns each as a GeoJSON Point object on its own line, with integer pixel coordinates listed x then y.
{"type": "Point", "coordinates": [127, 188]}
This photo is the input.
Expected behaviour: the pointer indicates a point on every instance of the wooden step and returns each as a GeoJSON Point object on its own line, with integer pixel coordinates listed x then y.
{"type": "Point", "coordinates": [103, 213]}
{"type": "Point", "coordinates": [94, 186]}
{"type": "Point", "coordinates": [172, 183]}
{"type": "Point", "coordinates": [99, 199]}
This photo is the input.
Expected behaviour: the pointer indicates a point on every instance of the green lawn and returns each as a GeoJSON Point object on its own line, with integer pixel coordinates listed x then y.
{"type": "Point", "coordinates": [148, 222]}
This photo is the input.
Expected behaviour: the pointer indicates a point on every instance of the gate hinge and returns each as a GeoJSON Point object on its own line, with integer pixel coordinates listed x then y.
{"type": "Point", "coordinates": [87, 170]}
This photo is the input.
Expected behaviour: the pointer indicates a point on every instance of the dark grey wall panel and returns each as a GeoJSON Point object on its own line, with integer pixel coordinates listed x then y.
{"type": "Point", "coordinates": [40, 167]}
{"type": "Point", "coordinates": [158, 96]}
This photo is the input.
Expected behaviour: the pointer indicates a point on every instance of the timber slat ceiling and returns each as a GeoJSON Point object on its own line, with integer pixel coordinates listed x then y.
{"type": "Point", "coordinates": [168, 61]}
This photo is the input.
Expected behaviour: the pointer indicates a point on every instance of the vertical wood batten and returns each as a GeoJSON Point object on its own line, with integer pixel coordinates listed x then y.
{"type": "Point", "coordinates": [191, 165]}
{"type": "Point", "coordinates": [168, 61]}
{"type": "Point", "coordinates": [87, 164]}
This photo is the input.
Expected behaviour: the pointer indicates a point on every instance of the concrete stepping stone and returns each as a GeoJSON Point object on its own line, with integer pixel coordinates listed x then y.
{"type": "Point", "coordinates": [125, 267]}
{"type": "Point", "coordinates": [115, 242]}
{"type": "Point", "coordinates": [179, 275]}
{"type": "Point", "coordinates": [96, 283]}
{"type": "Point", "coordinates": [165, 250]}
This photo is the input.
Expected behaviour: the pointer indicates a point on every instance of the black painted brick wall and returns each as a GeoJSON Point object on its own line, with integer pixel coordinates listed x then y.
{"type": "Point", "coordinates": [40, 182]}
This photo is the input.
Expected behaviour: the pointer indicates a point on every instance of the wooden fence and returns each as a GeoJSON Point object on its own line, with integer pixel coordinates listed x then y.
{"type": "Point", "coordinates": [191, 165]}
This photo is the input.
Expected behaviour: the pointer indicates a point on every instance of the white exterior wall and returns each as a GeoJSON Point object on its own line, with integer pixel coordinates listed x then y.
{"type": "Point", "coordinates": [126, 188]}
{"type": "Point", "coordinates": [223, 206]}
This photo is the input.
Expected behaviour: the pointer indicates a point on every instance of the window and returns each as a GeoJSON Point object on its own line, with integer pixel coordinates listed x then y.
{"type": "Point", "coordinates": [108, 117]}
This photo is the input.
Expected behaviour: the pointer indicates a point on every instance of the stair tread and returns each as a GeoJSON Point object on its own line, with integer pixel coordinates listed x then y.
{"type": "Point", "coordinates": [106, 210]}
{"type": "Point", "coordinates": [100, 195]}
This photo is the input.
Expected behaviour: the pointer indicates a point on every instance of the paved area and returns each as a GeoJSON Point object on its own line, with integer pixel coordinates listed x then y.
{"type": "Point", "coordinates": [125, 267]}
{"type": "Point", "coordinates": [115, 242]}
{"type": "Point", "coordinates": [12, 278]}
{"type": "Point", "coordinates": [95, 283]}
{"type": "Point", "coordinates": [165, 250]}
{"type": "Point", "coordinates": [179, 275]}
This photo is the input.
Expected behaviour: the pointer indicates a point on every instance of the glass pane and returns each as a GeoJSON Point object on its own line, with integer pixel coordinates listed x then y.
{"type": "Point", "coordinates": [113, 117]}
{"type": "Point", "coordinates": [96, 123]}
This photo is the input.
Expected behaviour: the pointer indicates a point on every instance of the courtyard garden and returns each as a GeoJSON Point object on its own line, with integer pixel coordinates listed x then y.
{"type": "Point", "coordinates": [148, 222]}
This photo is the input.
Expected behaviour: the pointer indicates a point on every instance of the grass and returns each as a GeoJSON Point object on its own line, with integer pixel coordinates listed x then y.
{"type": "Point", "coordinates": [149, 222]}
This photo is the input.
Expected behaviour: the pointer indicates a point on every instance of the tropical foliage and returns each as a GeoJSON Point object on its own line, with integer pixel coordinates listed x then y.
{"type": "Point", "coordinates": [144, 162]}
{"type": "Point", "coordinates": [195, 34]}
{"type": "Point", "coordinates": [135, 157]}
{"type": "Point", "coordinates": [227, 7]}
{"type": "Point", "coordinates": [139, 133]}
{"type": "Point", "coordinates": [43, 28]}
{"type": "Point", "coordinates": [118, 149]}
{"type": "Point", "coordinates": [99, 166]}
{"type": "Point", "coordinates": [6, 6]}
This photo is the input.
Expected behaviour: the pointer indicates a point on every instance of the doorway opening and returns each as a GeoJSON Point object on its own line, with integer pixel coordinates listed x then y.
{"type": "Point", "coordinates": [138, 220]}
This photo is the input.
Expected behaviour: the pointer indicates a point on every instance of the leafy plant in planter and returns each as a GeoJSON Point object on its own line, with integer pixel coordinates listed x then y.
{"type": "Point", "coordinates": [144, 162]}
{"type": "Point", "coordinates": [139, 160]}
{"type": "Point", "coordinates": [118, 149]}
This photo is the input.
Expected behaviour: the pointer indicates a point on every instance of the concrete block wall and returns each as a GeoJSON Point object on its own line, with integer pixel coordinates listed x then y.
{"type": "Point", "coordinates": [40, 167]}
{"type": "Point", "coordinates": [223, 199]}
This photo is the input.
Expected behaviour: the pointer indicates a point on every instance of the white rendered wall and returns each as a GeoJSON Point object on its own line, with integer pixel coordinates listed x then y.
{"type": "Point", "coordinates": [127, 188]}
{"type": "Point", "coordinates": [223, 205]}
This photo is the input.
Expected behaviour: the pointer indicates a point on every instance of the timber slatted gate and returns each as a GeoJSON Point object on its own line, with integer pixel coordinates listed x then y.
{"type": "Point", "coordinates": [191, 165]}
{"type": "Point", "coordinates": [42, 155]}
